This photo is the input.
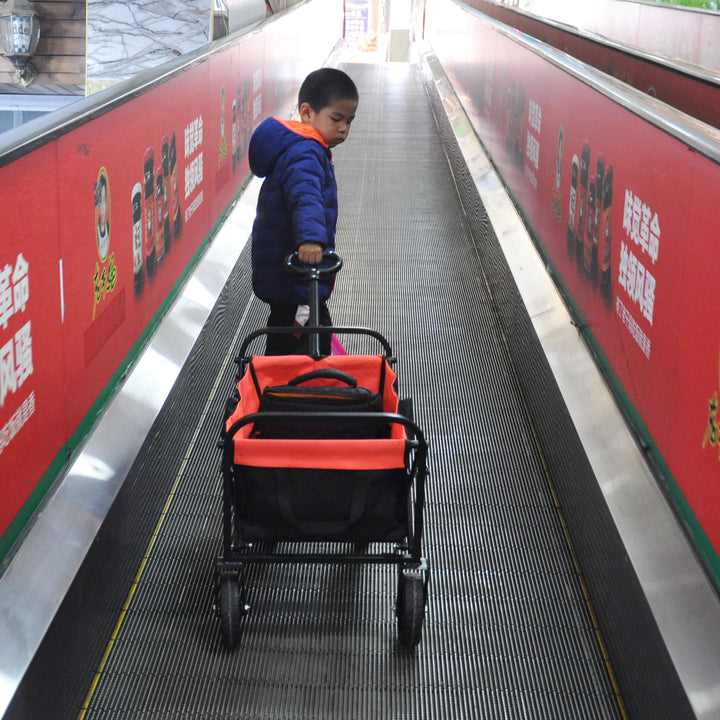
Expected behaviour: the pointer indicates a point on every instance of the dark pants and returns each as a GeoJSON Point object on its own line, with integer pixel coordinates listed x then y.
{"type": "Point", "coordinates": [291, 344]}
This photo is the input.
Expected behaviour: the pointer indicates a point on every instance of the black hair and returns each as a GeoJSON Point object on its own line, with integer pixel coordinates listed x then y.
{"type": "Point", "coordinates": [100, 183]}
{"type": "Point", "coordinates": [322, 86]}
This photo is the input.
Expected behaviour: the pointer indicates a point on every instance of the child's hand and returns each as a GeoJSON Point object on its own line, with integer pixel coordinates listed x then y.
{"type": "Point", "coordinates": [310, 253]}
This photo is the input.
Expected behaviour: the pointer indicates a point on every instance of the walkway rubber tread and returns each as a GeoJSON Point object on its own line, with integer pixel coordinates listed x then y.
{"type": "Point", "coordinates": [507, 632]}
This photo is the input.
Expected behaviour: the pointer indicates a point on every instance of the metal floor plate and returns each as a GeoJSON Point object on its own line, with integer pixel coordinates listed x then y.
{"type": "Point", "coordinates": [507, 633]}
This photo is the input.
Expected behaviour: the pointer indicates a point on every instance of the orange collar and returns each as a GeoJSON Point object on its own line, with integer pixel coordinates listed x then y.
{"type": "Point", "coordinates": [300, 128]}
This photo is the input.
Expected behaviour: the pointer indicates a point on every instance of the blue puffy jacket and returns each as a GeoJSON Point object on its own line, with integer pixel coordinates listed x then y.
{"type": "Point", "coordinates": [297, 204]}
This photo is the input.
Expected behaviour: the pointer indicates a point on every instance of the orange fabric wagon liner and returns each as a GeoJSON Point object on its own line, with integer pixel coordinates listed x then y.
{"type": "Point", "coordinates": [352, 454]}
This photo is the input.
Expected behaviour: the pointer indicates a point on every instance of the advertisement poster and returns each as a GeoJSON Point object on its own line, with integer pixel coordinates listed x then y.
{"type": "Point", "coordinates": [133, 191]}
{"type": "Point", "coordinates": [32, 420]}
{"type": "Point", "coordinates": [100, 224]}
{"type": "Point", "coordinates": [693, 442]}
{"type": "Point", "coordinates": [623, 211]}
{"type": "Point", "coordinates": [119, 207]}
{"type": "Point", "coordinates": [356, 17]}
{"type": "Point", "coordinates": [241, 98]}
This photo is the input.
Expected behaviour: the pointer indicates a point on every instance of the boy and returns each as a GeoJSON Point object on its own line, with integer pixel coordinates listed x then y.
{"type": "Point", "coordinates": [297, 206]}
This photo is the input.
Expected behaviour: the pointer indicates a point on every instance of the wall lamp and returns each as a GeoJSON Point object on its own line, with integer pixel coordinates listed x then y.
{"type": "Point", "coordinates": [19, 35]}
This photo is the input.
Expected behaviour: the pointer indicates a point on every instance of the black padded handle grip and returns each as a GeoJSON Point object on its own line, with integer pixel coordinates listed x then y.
{"type": "Point", "coordinates": [325, 374]}
{"type": "Point", "coordinates": [293, 265]}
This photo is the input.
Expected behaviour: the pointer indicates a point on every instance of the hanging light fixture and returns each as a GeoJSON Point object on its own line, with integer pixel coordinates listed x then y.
{"type": "Point", "coordinates": [19, 35]}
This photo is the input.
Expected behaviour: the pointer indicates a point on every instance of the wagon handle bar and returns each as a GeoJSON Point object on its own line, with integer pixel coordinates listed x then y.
{"type": "Point", "coordinates": [313, 273]}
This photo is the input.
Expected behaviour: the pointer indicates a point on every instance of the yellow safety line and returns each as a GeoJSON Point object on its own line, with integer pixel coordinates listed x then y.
{"type": "Point", "coordinates": [589, 605]}
{"type": "Point", "coordinates": [568, 542]}
{"type": "Point", "coordinates": [158, 528]}
{"type": "Point", "coordinates": [131, 594]}
{"type": "Point", "coordinates": [578, 571]}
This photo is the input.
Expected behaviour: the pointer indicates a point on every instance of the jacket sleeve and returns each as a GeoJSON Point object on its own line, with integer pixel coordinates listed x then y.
{"type": "Point", "coordinates": [304, 181]}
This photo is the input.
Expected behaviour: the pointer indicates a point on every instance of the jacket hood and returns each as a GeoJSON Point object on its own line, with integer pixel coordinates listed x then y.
{"type": "Point", "coordinates": [272, 138]}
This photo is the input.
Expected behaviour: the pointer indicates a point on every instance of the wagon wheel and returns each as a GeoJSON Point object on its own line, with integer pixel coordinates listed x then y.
{"type": "Point", "coordinates": [231, 594]}
{"type": "Point", "coordinates": [410, 609]}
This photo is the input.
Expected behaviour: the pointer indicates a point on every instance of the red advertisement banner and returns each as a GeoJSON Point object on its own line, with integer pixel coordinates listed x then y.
{"type": "Point", "coordinates": [99, 225]}
{"type": "Point", "coordinates": [32, 418]}
{"type": "Point", "coordinates": [625, 211]}
{"type": "Point", "coordinates": [138, 189]}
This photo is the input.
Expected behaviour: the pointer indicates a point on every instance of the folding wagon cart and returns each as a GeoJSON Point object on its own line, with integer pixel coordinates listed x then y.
{"type": "Point", "coordinates": [318, 450]}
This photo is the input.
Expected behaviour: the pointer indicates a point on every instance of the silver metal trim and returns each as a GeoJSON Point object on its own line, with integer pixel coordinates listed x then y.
{"type": "Point", "coordinates": [708, 75]}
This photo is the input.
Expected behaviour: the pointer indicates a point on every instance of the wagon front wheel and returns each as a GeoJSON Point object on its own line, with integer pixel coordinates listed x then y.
{"type": "Point", "coordinates": [232, 609]}
{"type": "Point", "coordinates": [410, 608]}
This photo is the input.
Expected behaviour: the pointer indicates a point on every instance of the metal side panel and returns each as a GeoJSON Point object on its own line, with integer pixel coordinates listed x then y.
{"type": "Point", "coordinates": [684, 603]}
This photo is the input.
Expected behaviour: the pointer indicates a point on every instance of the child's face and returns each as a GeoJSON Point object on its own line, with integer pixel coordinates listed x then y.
{"type": "Point", "coordinates": [333, 121]}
